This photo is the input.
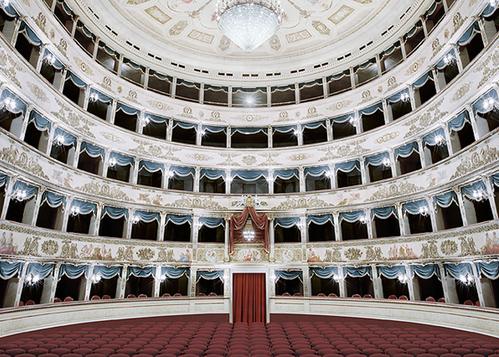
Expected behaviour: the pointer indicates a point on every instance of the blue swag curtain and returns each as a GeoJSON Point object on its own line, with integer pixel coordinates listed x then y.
{"type": "Point", "coordinates": [39, 121]}
{"type": "Point", "coordinates": [249, 131]}
{"type": "Point", "coordinates": [383, 212]}
{"type": "Point", "coordinates": [458, 270]}
{"type": "Point", "coordinates": [406, 150]}
{"type": "Point", "coordinates": [210, 275]}
{"type": "Point", "coordinates": [73, 271]}
{"type": "Point", "coordinates": [184, 125]}
{"type": "Point", "coordinates": [107, 272]}
{"type": "Point", "coordinates": [75, 80]}
{"type": "Point", "coordinates": [372, 109]}
{"type": "Point", "coordinates": [8, 270]}
{"type": "Point", "coordinates": [443, 63]}
{"type": "Point", "coordinates": [151, 166]}
{"type": "Point", "coordinates": [342, 119]}
{"type": "Point", "coordinates": [67, 138]}
{"type": "Point", "coordinates": [392, 272]}
{"type": "Point", "coordinates": [115, 212]}
{"type": "Point", "coordinates": [42, 270]}
{"type": "Point", "coordinates": [415, 207]}
{"type": "Point", "coordinates": [84, 207]}
{"type": "Point", "coordinates": [495, 179]}
{"type": "Point", "coordinates": [286, 222]}
{"type": "Point", "coordinates": [316, 171]}
{"type": "Point", "coordinates": [9, 10]}
{"type": "Point", "coordinates": [320, 219]}
{"type": "Point", "coordinates": [174, 272]}
{"type": "Point", "coordinates": [431, 138]}
{"type": "Point", "coordinates": [358, 272]}
{"type": "Point", "coordinates": [127, 110]}
{"type": "Point", "coordinates": [446, 199]}
{"type": "Point", "coordinates": [352, 217]}
{"type": "Point", "coordinates": [285, 129]}
{"type": "Point", "coordinates": [425, 271]}
{"type": "Point", "coordinates": [92, 150]}
{"type": "Point", "coordinates": [423, 79]}
{"type": "Point", "coordinates": [287, 174]}
{"type": "Point", "coordinates": [348, 166]}
{"type": "Point", "coordinates": [489, 10]}
{"type": "Point", "coordinates": [249, 175]}
{"type": "Point", "coordinates": [489, 269]}
{"type": "Point", "coordinates": [469, 190]}
{"type": "Point", "coordinates": [214, 129]}
{"type": "Point", "coordinates": [54, 200]}
{"type": "Point", "coordinates": [288, 275]}
{"type": "Point", "coordinates": [4, 179]}
{"type": "Point", "coordinates": [397, 97]}
{"type": "Point", "coordinates": [212, 174]}
{"type": "Point", "coordinates": [212, 222]}
{"type": "Point", "coordinates": [314, 125]}
{"type": "Point", "coordinates": [100, 97]}
{"type": "Point", "coordinates": [479, 106]}
{"type": "Point", "coordinates": [122, 160]}
{"type": "Point", "coordinates": [468, 36]}
{"type": "Point", "coordinates": [458, 122]}
{"type": "Point", "coordinates": [18, 108]}
{"type": "Point", "coordinates": [324, 272]}
{"type": "Point", "coordinates": [179, 219]}
{"type": "Point", "coordinates": [53, 61]}
{"type": "Point", "coordinates": [156, 119]}
{"type": "Point", "coordinates": [30, 190]}
{"type": "Point", "coordinates": [377, 160]}
{"type": "Point", "coordinates": [182, 171]}
{"type": "Point", "coordinates": [141, 272]}
{"type": "Point", "coordinates": [147, 217]}
{"type": "Point", "coordinates": [30, 35]}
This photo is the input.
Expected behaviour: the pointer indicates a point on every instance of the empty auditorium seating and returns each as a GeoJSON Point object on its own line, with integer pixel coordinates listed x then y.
{"type": "Point", "coordinates": [203, 336]}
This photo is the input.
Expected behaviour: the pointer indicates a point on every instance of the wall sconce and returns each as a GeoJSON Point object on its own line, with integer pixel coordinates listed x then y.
{"type": "Point", "coordinates": [403, 279]}
{"type": "Point", "coordinates": [466, 279]}
{"type": "Point", "coordinates": [32, 279]}
{"type": "Point", "coordinates": [96, 278]}
{"type": "Point", "coordinates": [75, 211]}
{"type": "Point", "coordinates": [20, 195]}
{"type": "Point", "coordinates": [112, 162]}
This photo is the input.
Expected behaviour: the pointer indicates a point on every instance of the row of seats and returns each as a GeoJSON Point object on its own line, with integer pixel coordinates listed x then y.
{"type": "Point", "coordinates": [302, 336]}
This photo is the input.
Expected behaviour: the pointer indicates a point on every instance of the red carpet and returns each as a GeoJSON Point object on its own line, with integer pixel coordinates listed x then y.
{"type": "Point", "coordinates": [286, 336]}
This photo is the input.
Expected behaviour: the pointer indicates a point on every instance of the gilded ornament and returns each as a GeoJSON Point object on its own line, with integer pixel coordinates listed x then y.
{"type": "Point", "coordinates": [448, 247]}
{"type": "Point", "coordinates": [50, 247]}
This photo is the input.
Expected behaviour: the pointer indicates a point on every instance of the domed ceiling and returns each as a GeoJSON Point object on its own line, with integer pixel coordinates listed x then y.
{"type": "Point", "coordinates": [313, 31]}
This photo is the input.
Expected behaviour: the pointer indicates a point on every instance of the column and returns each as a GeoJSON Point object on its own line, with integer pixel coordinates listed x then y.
{"type": "Point", "coordinates": [297, 93]}
{"type": "Point", "coordinates": [22, 133]}
{"type": "Point", "coordinates": [425, 30]}
{"type": "Point", "coordinates": [192, 282]}
{"type": "Point", "coordinates": [95, 229]}
{"type": "Point", "coordinates": [66, 213]}
{"type": "Point", "coordinates": [227, 238]}
{"type": "Point", "coordinates": [129, 224]}
{"type": "Point", "coordinates": [229, 135]}
{"type": "Point", "coordinates": [401, 219]}
{"type": "Point", "coordinates": [229, 96]}
{"type": "Point", "coordinates": [270, 142]}
{"type": "Point", "coordinates": [157, 282]}
{"type": "Point", "coordinates": [162, 224]}
{"type": "Point", "coordinates": [461, 206]}
{"type": "Point", "coordinates": [303, 229]}
{"type": "Point", "coordinates": [342, 283]}
{"type": "Point", "coordinates": [36, 207]}
{"type": "Point", "coordinates": [120, 64]}
{"type": "Point", "coordinates": [197, 175]}
{"type": "Point", "coordinates": [50, 286]}
{"type": "Point", "coordinates": [135, 172]}
{"type": "Point", "coordinates": [422, 156]}
{"type": "Point", "coordinates": [146, 78]}
{"type": "Point", "coordinates": [299, 132]}
{"type": "Point", "coordinates": [87, 289]}
{"type": "Point", "coordinates": [378, 63]}
{"type": "Point", "coordinates": [8, 194]}
{"type": "Point", "coordinates": [490, 196]}
{"type": "Point", "coordinates": [478, 285]}
{"type": "Point", "coordinates": [325, 87]}
{"type": "Point", "coordinates": [50, 141]}
{"type": "Point", "coordinates": [369, 224]}
{"type": "Point", "coordinates": [301, 173]}
{"type": "Point", "coordinates": [386, 112]}
{"type": "Point", "coordinates": [473, 123]}
{"type": "Point", "coordinates": [15, 33]}
{"type": "Point", "coordinates": [112, 113]}
{"type": "Point", "coordinates": [363, 172]}
{"type": "Point", "coordinates": [228, 180]}
{"type": "Point", "coordinates": [39, 63]}
{"type": "Point", "coordinates": [195, 232]}
{"type": "Point", "coordinates": [271, 239]}
{"type": "Point", "coordinates": [483, 32]}
{"type": "Point", "coordinates": [96, 47]}
{"type": "Point", "coordinates": [199, 134]}
{"type": "Point", "coordinates": [270, 181]}
{"type": "Point", "coordinates": [412, 285]}
{"type": "Point", "coordinates": [412, 97]}
{"type": "Point", "coordinates": [121, 284]}
{"type": "Point", "coordinates": [431, 212]}
{"type": "Point", "coordinates": [448, 140]}
{"type": "Point", "coordinates": [269, 96]}
{"type": "Point", "coordinates": [393, 162]}
{"type": "Point", "coordinates": [169, 131]}
{"type": "Point", "coordinates": [337, 227]}
{"type": "Point", "coordinates": [307, 283]}
{"type": "Point", "coordinates": [352, 77]}
{"type": "Point", "coordinates": [449, 286]}
{"type": "Point", "coordinates": [76, 157]}
{"type": "Point", "coordinates": [174, 87]}
{"type": "Point", "coordinates": [14, 289]}
{"type": "Point", "coordinates": [377, 283]}
{"type": "Point", "coordinates": [329, 130]}
{"type": "Point", "coordinates": [402, 47]}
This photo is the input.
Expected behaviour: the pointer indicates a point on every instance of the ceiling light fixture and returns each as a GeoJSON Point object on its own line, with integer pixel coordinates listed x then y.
{"type": "Point", "coordinates": [249, 23]}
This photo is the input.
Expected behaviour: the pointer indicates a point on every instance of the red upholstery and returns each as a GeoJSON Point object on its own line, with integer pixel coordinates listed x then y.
{"type": "Point", "coordinates": [212, 336]}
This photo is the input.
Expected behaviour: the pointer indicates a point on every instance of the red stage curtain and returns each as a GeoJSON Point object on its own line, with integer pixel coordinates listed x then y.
{"type": "Point", "coordinates": [260, 224]}
{"type": "Point", "coordinates": [248, 300]}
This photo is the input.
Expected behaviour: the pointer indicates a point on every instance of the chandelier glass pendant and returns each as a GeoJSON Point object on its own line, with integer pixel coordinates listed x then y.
{"type": "Point", "coordinates": [249, 23]}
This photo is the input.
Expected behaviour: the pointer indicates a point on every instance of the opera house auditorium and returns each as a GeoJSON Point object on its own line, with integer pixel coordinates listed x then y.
{"type": "Point", "coordinates": [261, 178]}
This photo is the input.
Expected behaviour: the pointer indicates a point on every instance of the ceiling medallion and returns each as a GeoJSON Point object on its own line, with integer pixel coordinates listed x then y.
{"type": "Point", "coordinates": [249, 23]}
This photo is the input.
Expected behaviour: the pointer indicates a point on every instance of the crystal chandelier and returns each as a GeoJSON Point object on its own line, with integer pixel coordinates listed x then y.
{"type": "Point", "coordinates": [249, 23]}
